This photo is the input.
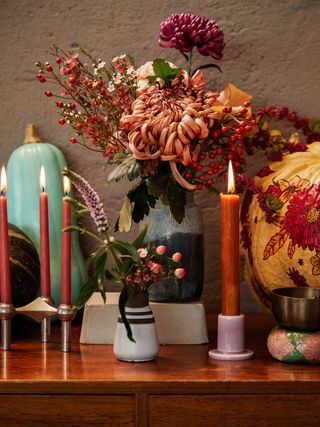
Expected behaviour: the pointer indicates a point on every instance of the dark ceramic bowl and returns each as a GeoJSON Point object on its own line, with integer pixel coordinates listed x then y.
{"type": "Point", "coordinates": [297, 308]}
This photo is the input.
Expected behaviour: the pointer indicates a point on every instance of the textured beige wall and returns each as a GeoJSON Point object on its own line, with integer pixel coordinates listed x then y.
{"type": "Point", "coordinates": [272, 51]}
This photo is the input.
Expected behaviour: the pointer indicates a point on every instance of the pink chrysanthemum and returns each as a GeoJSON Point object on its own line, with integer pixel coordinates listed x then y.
{"type": "Point", "coordinates": [184, 31]}
{"type": "Point", "coordinates": [302, 220]}
{"type": "Point", "coordinates": [165, 119]}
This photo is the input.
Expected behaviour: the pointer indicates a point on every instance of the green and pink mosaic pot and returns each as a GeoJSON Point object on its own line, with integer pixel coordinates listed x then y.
{"type": "Point", "coordinates": [293, 346]}
{"type": "Point", "coordinates": [280, 234]}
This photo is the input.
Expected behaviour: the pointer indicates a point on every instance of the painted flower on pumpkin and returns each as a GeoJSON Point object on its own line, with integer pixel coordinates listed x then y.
{"type": "Point", "coordinates": [302, 219]}
{"type": "Point", "coordinates": [315, 262]}
{"type": "Point", "coordinates": [273, 197]}
{"type": "Point", "coordinates": [288, 188]}
{"type": "Point", "coordinates": [273, 190]}
{"type": "Point", "coordinates": [183, 31]}
{"type": "Point", "coordinates": [165, 119]}
{"type": "Point", "coordinates": [297, 278]}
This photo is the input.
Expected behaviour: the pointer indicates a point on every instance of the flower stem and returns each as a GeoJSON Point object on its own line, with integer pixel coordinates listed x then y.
{"type": "Point", "coordinates": [113, 253]}
{"type": "Point", "coordinates": [190, 63]}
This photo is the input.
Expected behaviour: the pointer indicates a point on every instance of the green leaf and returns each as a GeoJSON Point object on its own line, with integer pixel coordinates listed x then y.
{"type": "Point", "coordinates": [142, 201]}
{"type": "Point", "coordinates": [80, 213]}
{"type": "Point", "coordinates": [138, 242]}
{"type": "Point", "coordinates": [177, 201]}
{"type": "Point", "coordinates": [124, 295]}
{"type": "Point", "coordinates": [125, 221]}
{"type": "Point", "coordinates": [108, 275]}
{"type": "Point", "coordinates": [158, 187]}
{"type": "Point", "coordinates": [101, 263]}
{"type": "Point", "coordinates": [129, 166]}
{"type": "Point", "coordinates": [163, 70]}
{"type": "Point", "coordinates": [74, 228]}
{"type": "Point", "coordinates": [170, 193]}
{"type": "Point", "coordinates": [152, 79]}
{"type": "Point", "coordinates": [273, 202]}
{"type": "Point", "coordinates": [86, 291]}
{"type": "Point", "coordinates": [101, 284]}
{"type": "Point", "coordinates": [118, 158]}
{"type": "Point", "coordinates": [126, 248]}
{"type": "Point", "coordinates": [90, 259]}
{"type": "Point", "coordinates": [71, 201]}
{"type": "Point", "coordinates": [314, 124]}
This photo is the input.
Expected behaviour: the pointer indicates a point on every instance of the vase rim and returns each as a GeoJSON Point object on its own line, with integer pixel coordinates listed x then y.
{"type": "Point", "coordinates": [138, 299]}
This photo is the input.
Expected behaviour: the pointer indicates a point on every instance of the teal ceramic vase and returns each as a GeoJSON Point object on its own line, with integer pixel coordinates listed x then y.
{"type": "Point", "coordinates": [23, 173]}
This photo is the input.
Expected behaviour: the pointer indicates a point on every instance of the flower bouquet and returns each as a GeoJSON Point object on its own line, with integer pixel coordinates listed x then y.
{"type": "Point", "coordinates": [160, 124]}
{"type": "Point", "coordinates": [136, 267]}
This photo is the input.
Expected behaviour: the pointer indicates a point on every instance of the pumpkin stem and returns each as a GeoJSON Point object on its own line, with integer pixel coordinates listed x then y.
{"type": "Point", "coordinates": [31, 134]}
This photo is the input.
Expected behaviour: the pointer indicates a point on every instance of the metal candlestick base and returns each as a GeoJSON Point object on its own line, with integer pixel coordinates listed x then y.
{"type": "Point", "coordinates": [230, 339]}
{"type": "Point", "coordinates": [6, 314]}
{"type": "Point", "coordinates": [46, 330]}
{"type": "Point", "coordinates": [40, 310]}
{"type": "Point", "coordinates": [46, 322]}
{"type": "Point", "coordinates": [66, 314]}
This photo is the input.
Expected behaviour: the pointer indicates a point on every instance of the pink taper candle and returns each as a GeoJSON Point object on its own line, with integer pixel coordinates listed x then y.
{"type": "Point", "coordinates": [230, 248]}
{"type": "Point", "coordinates": [66, 247]}
{"type": "Point", "coordinates": [45, 287]}
{"type": "Point", "coordinates": [4, 243]}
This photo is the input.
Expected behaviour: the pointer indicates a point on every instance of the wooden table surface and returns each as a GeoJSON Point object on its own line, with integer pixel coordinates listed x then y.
{"type": "Point", "coordinates": [145, 390]}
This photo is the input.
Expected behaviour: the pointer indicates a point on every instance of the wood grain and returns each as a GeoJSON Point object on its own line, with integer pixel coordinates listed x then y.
{"type": "Point", "coordinates": [235, 411]}
{"type": "Point", "coordinates": [113, 411]}
{"type": "Point", "coordinates": [181, 387]}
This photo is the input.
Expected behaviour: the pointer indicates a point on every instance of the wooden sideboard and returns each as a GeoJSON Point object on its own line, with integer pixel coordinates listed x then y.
{"type": "Point", "coordinates": [40, 385]}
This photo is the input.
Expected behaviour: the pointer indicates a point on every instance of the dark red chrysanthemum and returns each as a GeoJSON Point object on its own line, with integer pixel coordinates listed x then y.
{"type": "Point", "coordinates": [184, 31]}
{"type": "Point", "coordinates": [302, 220]}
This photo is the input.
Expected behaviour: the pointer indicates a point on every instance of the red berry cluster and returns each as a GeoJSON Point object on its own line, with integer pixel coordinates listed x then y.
{"type": "Point", "coordinates": [92, 99]}
{"type": "Point", "coordinates": [299, 122]}
{"type": "Point", "coordinates": [229, 139]}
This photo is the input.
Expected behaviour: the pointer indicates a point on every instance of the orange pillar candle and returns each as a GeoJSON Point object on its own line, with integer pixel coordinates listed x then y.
{"type": "Point", "coordinates": [45, 287]}
{"type": "Point", "coordinates": [230, 248]}
{"type": "Point", "coordinates": [66, 247]}
{"type": "Point", "coordinates": [4, 243]}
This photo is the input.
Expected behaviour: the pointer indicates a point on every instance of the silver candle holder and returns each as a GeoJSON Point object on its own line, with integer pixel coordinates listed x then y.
{"type": "Point", "coordinates": [40, 310]}
{"type": "Point", "coordinates": [7, 312]}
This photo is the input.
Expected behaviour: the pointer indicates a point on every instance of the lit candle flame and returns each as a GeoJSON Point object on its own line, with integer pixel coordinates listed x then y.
{"type": "Point", "coordinates": [3, 180]}
{"type": "Point", "coordinates": [231, 186]}
{"type": "Point", "coordinates": [42, 179]}
{"type": "Point", "coordinates": [66, 185]}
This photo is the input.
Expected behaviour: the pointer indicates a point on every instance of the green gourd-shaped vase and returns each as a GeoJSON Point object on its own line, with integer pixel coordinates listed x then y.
{"type": "Point", "coordinates": [23, 173]}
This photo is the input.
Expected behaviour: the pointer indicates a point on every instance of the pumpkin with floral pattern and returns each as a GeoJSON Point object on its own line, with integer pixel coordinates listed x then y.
{"type": "Point", "coordinates": [280, 235]}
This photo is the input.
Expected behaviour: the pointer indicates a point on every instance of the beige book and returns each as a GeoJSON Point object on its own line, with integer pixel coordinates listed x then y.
{"type": "Point", "coordinates": [176, 323]}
